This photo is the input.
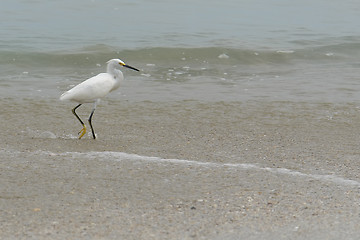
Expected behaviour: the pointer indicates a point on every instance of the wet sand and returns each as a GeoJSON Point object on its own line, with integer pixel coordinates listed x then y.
{"type": "Point", "coordinates": [255, 170]}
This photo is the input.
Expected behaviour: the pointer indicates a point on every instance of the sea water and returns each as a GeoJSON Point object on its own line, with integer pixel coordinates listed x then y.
{"type": "Point", "coordinates": [198, 50]}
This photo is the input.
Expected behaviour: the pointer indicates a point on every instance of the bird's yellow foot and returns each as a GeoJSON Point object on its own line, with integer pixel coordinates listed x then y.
{"type": "Point", "coordinates": [82, 132]}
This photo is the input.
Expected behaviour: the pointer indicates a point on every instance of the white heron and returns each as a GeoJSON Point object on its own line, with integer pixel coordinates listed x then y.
{"type": "Point", "coordinates": [95, 88]}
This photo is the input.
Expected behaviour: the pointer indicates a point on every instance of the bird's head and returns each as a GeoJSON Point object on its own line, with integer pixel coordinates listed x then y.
{"type": "Point", "coordinates": [120, 62]}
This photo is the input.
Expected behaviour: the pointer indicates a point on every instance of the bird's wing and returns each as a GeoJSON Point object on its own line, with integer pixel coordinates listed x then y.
{"type": "Point", "coordinates": [91, 89]}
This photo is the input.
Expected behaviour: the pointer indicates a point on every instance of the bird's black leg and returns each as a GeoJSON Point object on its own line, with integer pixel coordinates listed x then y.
{"type": "Point", "coordinates": [90, 117]}
{"type": "Point", "coordinates": [83, 130]}
{"type": "Point", "coordinates": [73, 111]}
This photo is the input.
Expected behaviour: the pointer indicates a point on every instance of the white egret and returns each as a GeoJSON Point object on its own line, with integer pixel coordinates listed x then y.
{"type": "Point", "coordinates": [95, 88]}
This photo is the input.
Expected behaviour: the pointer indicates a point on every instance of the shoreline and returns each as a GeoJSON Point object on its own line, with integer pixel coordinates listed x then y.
{"type": "Point", "coordinates": [50, 192]}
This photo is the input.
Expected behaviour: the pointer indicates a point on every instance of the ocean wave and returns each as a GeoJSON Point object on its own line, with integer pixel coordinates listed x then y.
{"type": "Point", "coordinates": [99, 54]}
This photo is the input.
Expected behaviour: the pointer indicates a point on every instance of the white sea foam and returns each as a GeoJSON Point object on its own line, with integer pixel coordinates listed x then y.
{"type": "Point", "coordinates": [223, 56]}
{"type": "Point", "coordinates": [285, 51]}
{"type": "Point", "coordinates": [121, 156]}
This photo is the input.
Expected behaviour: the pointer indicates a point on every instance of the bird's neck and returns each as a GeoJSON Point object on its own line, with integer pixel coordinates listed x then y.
{"type": "Point", "coordinates": [117, 77]}
{"type": "Point", "coordinates": [116, 73]}
{"type": "Point", "coordinates": [110, 68]}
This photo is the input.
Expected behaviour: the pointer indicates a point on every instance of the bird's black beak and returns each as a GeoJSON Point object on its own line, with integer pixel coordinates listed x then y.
{"type": "Point", "coordinates": [131, 67]}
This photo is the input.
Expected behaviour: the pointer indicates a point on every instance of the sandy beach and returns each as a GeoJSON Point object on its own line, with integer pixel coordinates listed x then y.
{"type": "Point", "coordinates": [181, 170]}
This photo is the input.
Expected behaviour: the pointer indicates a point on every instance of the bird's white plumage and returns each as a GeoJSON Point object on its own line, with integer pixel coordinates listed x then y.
{"type": "Point", "coordinates": [96, 87]}
{"type": "Point", "coordinates": [92, 89]}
